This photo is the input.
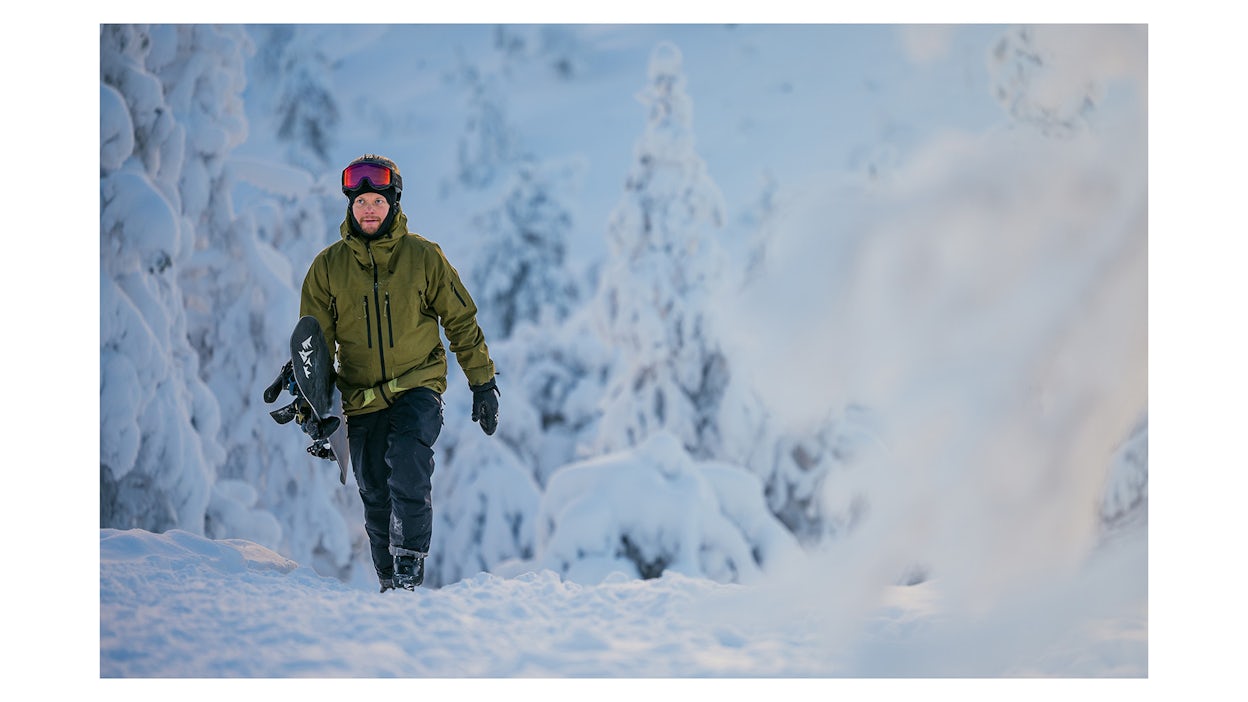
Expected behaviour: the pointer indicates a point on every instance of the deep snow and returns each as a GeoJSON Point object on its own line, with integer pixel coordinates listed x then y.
{"type": "Point", "coordinates": [178, 605]}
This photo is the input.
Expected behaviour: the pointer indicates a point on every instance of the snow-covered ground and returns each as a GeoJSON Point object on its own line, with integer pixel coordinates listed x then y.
{"type": "Point", "coordinates": [179, 605]}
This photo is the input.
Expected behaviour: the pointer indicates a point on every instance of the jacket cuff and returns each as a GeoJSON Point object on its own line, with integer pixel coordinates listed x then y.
{"type": "Point", "coordinates": [481, 375]}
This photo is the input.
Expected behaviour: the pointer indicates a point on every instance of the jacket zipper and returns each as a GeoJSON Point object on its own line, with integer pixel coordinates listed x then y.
{"type": "Point", "coordinates": [389, 322]}
{"type": "Point", "coordinates": [368, 323]}
{"type": "Point", "coordinates": [381, 353]}
{"type": "Point", "coordinates": [461, 297]}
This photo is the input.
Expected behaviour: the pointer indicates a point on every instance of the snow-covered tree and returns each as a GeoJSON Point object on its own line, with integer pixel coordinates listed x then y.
{"type": "Point", "coordinates": [522, 272]}
{"type": "Point", "coordinates": [760, 221]}
{"type": "Point", "coordinates": [1054, 76]}
{"type": "Point", "coordinates": [664, 264]}
{"type": "Point", "coordinates": [196, 301]}
{"type": "Point", "coordinates": [294, 62]}
{"type": "Point", "coordinates": [485, 504]}
{"type": "Point", "coordinates": [489, 144]}
{"type": "Point", "coordinates": [486, 490]}
{"type": "Point", "coordinates": [555, 47]}
{"type": "Point", "coordinates": [654, 508]}
{"type": "Point", "coordinates": [812, 479]}
{"type": "Point", "coordinates": [557, 374]}
{"type": "Point", "coordinates": [256, 290]}
{"type": "Point", "coordinates": [1125, 499]}
{"type": "Point", "coordinates": [159, 451]}
{"type": "Point", "coordinates": [808, 472]}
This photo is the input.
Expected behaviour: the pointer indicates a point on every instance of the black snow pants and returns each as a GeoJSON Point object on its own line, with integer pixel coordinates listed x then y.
{"type": "Point", "coordinates": [392, 457]}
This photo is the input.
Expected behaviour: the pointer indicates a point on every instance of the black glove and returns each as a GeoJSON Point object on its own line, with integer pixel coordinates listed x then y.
{"type": "Point", "coordinates": [485, 406]}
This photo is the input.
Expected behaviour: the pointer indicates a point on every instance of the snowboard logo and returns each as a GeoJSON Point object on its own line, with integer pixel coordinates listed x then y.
{"type": "Point", "coordinates": [305, 356]}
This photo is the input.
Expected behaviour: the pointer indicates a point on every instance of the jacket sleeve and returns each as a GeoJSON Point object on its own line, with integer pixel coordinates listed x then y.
{"type": "Point", "coordinates": [317, 300]}
{"type": "Point", "coordinates": [458, 313]}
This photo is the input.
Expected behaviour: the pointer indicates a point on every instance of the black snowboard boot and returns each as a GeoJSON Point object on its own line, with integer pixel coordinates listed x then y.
{"type": "Point", "coordinates": [409, 572]}
{"type": "Point", "coordinates": [387, 584]}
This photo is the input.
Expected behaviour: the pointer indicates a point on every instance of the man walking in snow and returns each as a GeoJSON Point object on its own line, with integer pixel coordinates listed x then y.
{"type": "Point", "coordinates": [380, 294]}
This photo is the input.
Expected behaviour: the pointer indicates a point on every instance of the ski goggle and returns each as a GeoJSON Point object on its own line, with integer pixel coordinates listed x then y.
{"type": "Point", "coordinates": [353, 176]}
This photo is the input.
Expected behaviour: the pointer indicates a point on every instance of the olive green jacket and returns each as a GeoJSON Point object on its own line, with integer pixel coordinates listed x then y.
{"type": "Point", "coordinates": [381, 304]}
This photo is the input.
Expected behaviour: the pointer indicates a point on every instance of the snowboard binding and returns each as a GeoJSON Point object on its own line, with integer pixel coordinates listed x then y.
{"type": "Point", "coordinates": [300, 411]}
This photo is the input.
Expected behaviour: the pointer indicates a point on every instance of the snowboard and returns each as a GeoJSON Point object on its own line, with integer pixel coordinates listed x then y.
{"type": "Point", "coordinates": [309, 376]}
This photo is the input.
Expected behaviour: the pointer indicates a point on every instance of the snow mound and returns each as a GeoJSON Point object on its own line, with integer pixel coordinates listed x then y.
{"type": "Point", "coordinates": [654, 509]}
{"type": "Point", "coordinates": [182, 550]}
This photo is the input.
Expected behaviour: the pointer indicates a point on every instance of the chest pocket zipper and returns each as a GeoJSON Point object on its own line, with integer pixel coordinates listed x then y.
{"type": "Point", "coordinates": [368, 323]}
{"type": "Point", "coordinates": [389, 322]}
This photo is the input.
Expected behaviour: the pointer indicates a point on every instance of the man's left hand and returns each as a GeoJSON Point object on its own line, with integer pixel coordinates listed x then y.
{"type": "Point", "coordinates": [485, 406]}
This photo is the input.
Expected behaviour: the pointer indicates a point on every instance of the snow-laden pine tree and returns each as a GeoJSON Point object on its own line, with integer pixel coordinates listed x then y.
{"type": "Point", "coordinates": [485, 503]}
{"type": "Point", "coordinates": [557, 48]}
{"type": "Point", "coordinates": [522, 272]}
{"type": "Point", "coordinates": [488, 144]}
{"type": "Point", "coordinates": [1044, 78]}
{"type": "Point", "coordinates": [552, 362]}
{"type": "Point", "coordinates": [158, 421]}
{"type": "Point", "coordinates": [811, 478]}
{"type": "Point", "coordinates": [664, 262]}
{"type": "Point", "coordinates": [557, 375]}
{"type": "Point", "coordinates": [653, 508]}
{"type": "Point", "coordinates": [807, 472]}
{"type": "Point", "coordinates": [196, 304]}
{"type": "Point", "coordinates": [760, 220]}
{"type": "Point", "coordinates": [294, 62]}
{"type": "Point", "coordinates": [243, 291]}
{"type": "Point", "coordinates": [1125, 500]}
